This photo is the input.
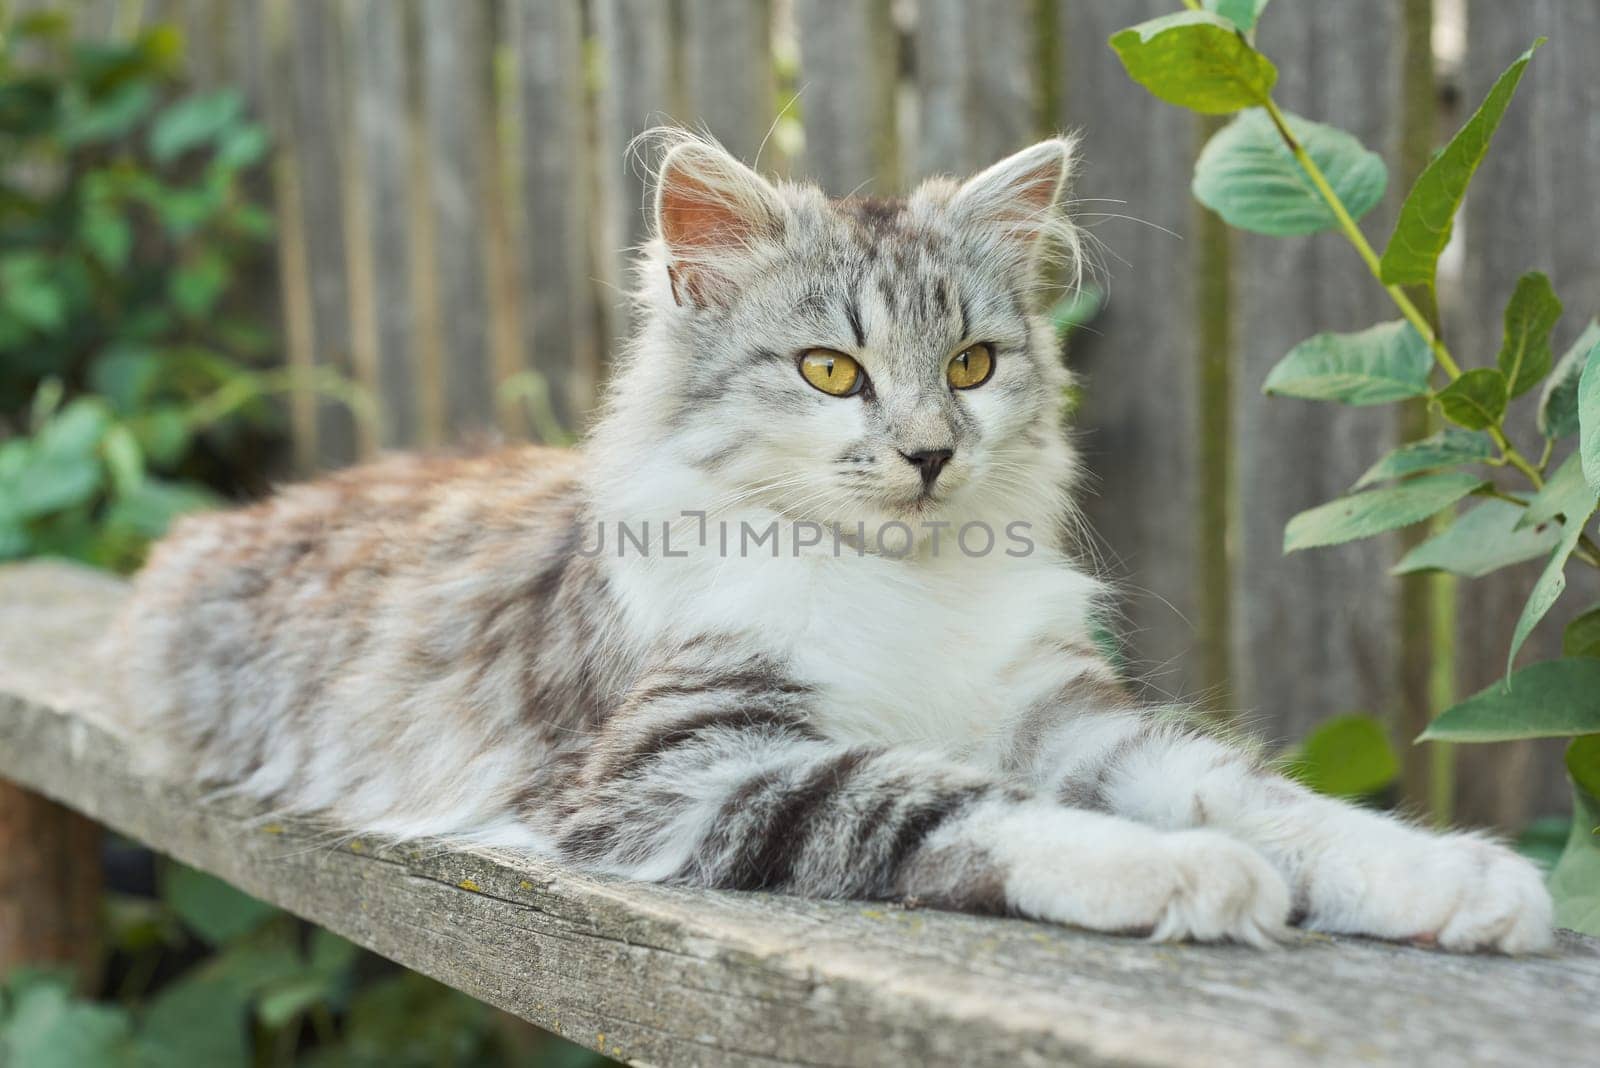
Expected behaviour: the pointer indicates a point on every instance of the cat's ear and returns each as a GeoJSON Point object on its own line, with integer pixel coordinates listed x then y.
{"type": "Point", "coordinates": [1021, 195]}
{"type": "Point", "coordinates": [710, 210]}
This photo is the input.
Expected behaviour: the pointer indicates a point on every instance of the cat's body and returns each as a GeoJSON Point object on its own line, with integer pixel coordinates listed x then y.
{"type": "Point", "coordinates": [782, 692]}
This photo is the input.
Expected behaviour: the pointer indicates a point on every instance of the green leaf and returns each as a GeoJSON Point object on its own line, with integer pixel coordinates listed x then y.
{"type": "Point", "coordinates": [210, 907]}
{"type": "Point", "coordinates": [126, 374]}
{"type": "Point", "coordinates": [192, 122]}
{"type": "Point", "coordinates": [1476, 400]}
{"type": "Point", "coordinates": [1247, 175]}
{"type": "Point", "coordinates": [1553, 580]}
{"type": "Point", "coordinates": [1382, 363]}
{"type": "Point", "coordinates": [1347, 756]}
{"type": "Point", "coordinates": [107, 117]}
{"type": "Point", "coordinates": [1582, 636]}
{"type": "Point", "coordinates": [1589, 421]}
{"type": "Point", "coordinates": [60, 468]}
{"type": "Point", "coordinates": [1525, 348]}
{"type": "Point", "coordinates": [1447, 448]}
{"type": "Point", "coordinates": [1563, 490]}
{"type": "Point", "coordinates": [1196, 60]}
{"type": "Point", "coordinates": [1575, 882]}
{"type": "Point", "coordinates": [148, 508]}
{"type": "Point", "coordinates": [197, 284]}
{"type": "Point", "coordinates": [1375, 511]}
{"type": "Point", "coordinates": [1242, 13]}
{"type": "Point", "coordinates": [107, 235]}
{"type": "Point", "coordinates": [1076, 309]}
{"type": "Point", "coordinates": [1558, 403]}
{"type": "Point", "coordinates": [242, 146]}
{"type": "Point", "coordinates": [1485, 538]}
{"type": "Point", "coordinates": [48, 1028]}
{"type": "Point", "coordinates": [31, 291]}
{"type": "Point", "coordinates": [1428, 213]}
{"type": "Point", "coordinates": [1550, 699]}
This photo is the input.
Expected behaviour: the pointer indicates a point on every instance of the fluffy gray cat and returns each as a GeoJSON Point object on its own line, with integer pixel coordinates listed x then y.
{"type": "Point", "coordinates": [799, 616]}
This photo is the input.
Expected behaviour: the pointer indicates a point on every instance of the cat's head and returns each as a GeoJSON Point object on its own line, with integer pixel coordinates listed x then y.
{"type": "Point", "coordinates": [853, 360]}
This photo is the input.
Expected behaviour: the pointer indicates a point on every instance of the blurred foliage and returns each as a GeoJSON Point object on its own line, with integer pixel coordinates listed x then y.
{"type": "Point", "coordinates": [1347, 756]}
{"type": "Point", "coordinates": [131, 259]}
{"type": "Point", "coordinates": [273, 992]}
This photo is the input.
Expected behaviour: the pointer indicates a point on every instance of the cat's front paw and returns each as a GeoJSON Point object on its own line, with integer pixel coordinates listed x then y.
{"type": "Point", "coordinates": [1460, 892]}
{"type": "Point", "coordinates": [1172, 886]}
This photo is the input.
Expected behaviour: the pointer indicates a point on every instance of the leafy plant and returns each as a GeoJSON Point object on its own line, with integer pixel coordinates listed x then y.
{"type": "Point", "coordinates": [1274, 173]}
{"type": "Point", "coordinates": [128, 329]}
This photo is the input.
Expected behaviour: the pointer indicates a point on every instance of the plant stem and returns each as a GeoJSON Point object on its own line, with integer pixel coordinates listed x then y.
{"type": "Point", "coordinates": [1369, 255]}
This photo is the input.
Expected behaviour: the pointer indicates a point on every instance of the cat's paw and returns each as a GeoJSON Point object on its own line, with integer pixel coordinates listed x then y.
{"type": "Point", "coordinates": [1172, 886]}
{"type": "Point", "coordinates": [1219, 889]}
{"type": "Point", "coordinates": [1459, 892]}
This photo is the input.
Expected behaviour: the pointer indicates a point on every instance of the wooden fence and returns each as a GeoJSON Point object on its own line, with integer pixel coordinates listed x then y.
{"type": "Point", "coordinates": [456, 200]}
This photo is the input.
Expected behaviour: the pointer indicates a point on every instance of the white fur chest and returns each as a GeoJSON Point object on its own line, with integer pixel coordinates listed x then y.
{"type": "Point", "coordinates": [927, 650]}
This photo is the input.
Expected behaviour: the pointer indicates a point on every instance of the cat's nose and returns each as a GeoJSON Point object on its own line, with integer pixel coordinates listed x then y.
{"type": "Point", "coordinates": [929, 462]}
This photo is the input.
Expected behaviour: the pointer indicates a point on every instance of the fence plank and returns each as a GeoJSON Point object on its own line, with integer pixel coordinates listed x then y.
{"type": "Point", "coordinates": [558, 299]}
{"type": "Point", "coordinates": [975, 83]}
{"type": "Point", "coordinates": [636, 40]}
{"type": "Point", "coordinates": [379, 205]}
{"type": "Point", "coordinates": [727, 71]}
{"type": "Point", "coordinates": [1316, 632]}
{"type": "Point", "coordinates": [455, 74]}
{"type": "Point", "coordinates": [1531, 207]}
{"type": "Point", "coordinates": [1138, 362]}
{"type": "Point", "coordinates": [848, 64]}
{"type": "Point", "coordinates": [319, 152]}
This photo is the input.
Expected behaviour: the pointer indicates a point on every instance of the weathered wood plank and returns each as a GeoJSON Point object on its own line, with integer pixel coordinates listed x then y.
{"type": "Point", "coordinates": [1139, 420]}
{"type": "Point", "coordinates": [317, 110]}
{"type": "Point", "coordinates": [1329, 616]}
{"type": "Point", "coordinates": [456, 109]}
{"type": "Point", "coordinates": [559, 302]}
{"type": "Point", "coordinates": [727, 71]}
{"type": "Point", "coordinates": [636, 41]}
{"type": "Point", "coordinates": [263, 32]}
{"type": "Point", "coordinates": [384, 313]}
{"type": "Point", "coordinates": [670, 976]}
{"type": "Point", "coordinates": [50, 887]}
{"type": "Point", "coordinates": [848, 68]}
{"type": "Point", "coordinates": [975, 83]}
{"type": "Point", "coordinates": [1531, 207]}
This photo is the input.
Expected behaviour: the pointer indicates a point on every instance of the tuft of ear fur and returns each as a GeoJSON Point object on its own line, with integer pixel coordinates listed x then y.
{"type": "Point", "coordinates": [710, 209]}
{"type": "Point", "coordinates": [1020, 198]}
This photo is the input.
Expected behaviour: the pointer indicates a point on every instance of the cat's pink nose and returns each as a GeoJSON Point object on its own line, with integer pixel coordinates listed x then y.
{"type": "Point", "coordinates": [930, 462]}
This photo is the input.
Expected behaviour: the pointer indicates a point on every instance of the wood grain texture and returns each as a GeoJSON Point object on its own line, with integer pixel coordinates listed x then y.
{"type": "Point", "coordinates": [1532, 206]}
{"type": "Point", "coordinates": [1328, 615]}
{"type": "Point", "coordinates": [657, 975]}
{"type": "Point", "coordinates": [636, 42]}
{"type": "Point", "coordinates": [975, 83]}
{"type": "Point", "coordinates": [727, 71]}
{"type": "Point", "coordinates": [317, 112]}
{"type": "Point", "coordinates": [49, 887]}
{"type": "Point", "coordinates": [848, 68]}
{"type": "Point", "coordinates": [380, 151]}
{"type": "Point", "coordinates": [456, 108]}
{"type": "Point", "coordinates": [1138, 422]}
{"type": "Point", "coordinates": [558, 296]}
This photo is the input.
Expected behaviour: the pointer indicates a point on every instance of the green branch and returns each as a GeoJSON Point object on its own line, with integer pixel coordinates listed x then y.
{"type": "Point", "coordinates": [1369, 255]}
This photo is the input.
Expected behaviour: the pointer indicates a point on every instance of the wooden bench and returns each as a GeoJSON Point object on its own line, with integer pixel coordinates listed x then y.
{"type": "Point", "coordinates": [657, 975]}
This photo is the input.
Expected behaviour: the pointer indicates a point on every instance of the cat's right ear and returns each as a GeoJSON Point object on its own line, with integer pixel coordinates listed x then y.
{"type": "Point", "coordinates": [710, 210]}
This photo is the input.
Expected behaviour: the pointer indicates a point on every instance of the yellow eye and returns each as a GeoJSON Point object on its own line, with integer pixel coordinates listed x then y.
{"type": "Point", "coordinates": [832, 372]}
{"type": "Point", "coordinates": [971, 367]}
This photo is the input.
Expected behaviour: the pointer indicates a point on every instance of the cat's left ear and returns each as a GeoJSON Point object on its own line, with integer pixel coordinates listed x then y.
{"type": "Point", "coordinates": [1021, 195]}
